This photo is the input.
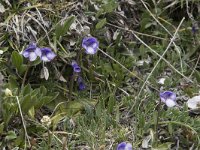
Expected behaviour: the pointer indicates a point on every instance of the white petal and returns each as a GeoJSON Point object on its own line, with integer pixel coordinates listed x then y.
{"type": "Point", "coordinates": [140, 63]}
{"type": "Point", "coordinates": [194, 102]}
{"type": "Point", "coordinates": [173, 97]}
{"type": "Point", "coordinates": [128, 146]}
{"type": "Point", "coordinates": [90, 50]}
{"type": "Point", "coordinates": [163, 99]}
{"type": "Point", "coordinates": [44, 58]}
{"type": "Point", "coordinates": [170, 103]}
{"type": "Point", "coordinates": [32, 56]}
{"type": "Point", "coordinates": [94, 45]}
{"type": "Point", "coordinates": [161, 81]}
{"type": "Point", "coordinates": [38, 52]}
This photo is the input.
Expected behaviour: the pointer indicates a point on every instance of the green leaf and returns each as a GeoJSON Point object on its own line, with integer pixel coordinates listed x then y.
{"type": "Point", "coordinates": [12, 83]}
{"type": "Point", "coordinates": [26, 90]}
{"type": "Point", "coordinates": [27, 103]}
{"type": "Point", "coordinates": [9, 110]}
{"type": "Point", "coordinates": [164, 146]}
{"type": "Point", "coordinates": [101, 23]}
{"type": "Point", "coordinates": [31, 112]}
{"type": "Point", "coordinates": [170, 128]}
{"type": "Point", "coordinates": [45, 100]}
{"type": "Point", "coordinates": [107, 8]}
{"type": "Point", "coordinates": [1, 127]}
{"type": "Point", "coordinates": [11, 135]}
{"type": "Point", "coordinates": [43, 90]}
{"type": "Point", "coordinates": [111, 103]}
{"type": "Point", "coordinates": [55, 119]}
{"type": "Point", "coordinates": [62, 29]}
{"type": "Point", "coordinates": [17, 59]}
{"type": "Point", "coordinates": [22, 68]}
{"type": "Point", "coordinates": [71, 108]}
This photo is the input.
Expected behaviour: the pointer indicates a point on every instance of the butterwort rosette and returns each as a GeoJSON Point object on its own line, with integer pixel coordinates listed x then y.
{"type": "Point", "coordinates": [76, 67]}
{"type": "Point", "coordinates": [90, 44]}
{"type": "Point", "coordinates": [31, 52]}
{"type": "Point", "coordinates": [46, 54]}
{"type": "Point", "coordinates": [124, 146]}
{"type": "Point", "coordinates": [169, 98]}
{"type": "Point", "coordinates": [81, 84]}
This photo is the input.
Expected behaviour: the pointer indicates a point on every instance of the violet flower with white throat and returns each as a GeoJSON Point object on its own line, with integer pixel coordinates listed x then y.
{"type": "Point", "coordinates": [169, 98]}
{"type": "Point", "coordinates": [90, 44]}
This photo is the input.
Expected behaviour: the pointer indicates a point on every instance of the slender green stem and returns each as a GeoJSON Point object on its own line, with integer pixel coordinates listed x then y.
{"type": "Point", "coordinates": [71, 85]}
{"type": "Point", "coordinates": [157, 123]}
{"type": "Point", "coordinates": [24, 78]}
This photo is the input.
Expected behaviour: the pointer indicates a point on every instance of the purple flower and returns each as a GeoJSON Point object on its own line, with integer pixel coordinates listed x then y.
{"type": "Point", "coordinates": [76, 67]}
{"type": "Point", "coordinates": [31, 52]}
{"type": "Point", "coordinates": [169, 98]}
{"type": "Point", "coordinates": [81, 84]}
{"type": "Point", "coordinates": [45, 54]}
{"type": "Point", "coordinates": [124, 146]}
{"type": "Point", "coordinates": [195, 27]}
{"type": "Point", "coordinates": [90, 44]}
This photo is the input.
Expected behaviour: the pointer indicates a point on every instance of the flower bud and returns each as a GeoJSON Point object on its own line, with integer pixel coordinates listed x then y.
{"type": "Point", "coordinates": [8, 92]}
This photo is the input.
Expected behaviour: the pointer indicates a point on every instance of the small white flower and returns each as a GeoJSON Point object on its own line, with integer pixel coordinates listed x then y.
{"type": "Point", "coordinates": [46, 120]}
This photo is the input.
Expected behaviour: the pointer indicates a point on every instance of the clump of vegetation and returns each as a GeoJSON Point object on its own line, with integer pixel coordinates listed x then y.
{"type": "Point", "coordinates": [99, 74]}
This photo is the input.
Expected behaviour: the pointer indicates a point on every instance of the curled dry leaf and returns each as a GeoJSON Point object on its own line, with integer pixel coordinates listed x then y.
{"type": "Point", "coordinates": [194, 102]}
{"type": "Point", "coordinates": [145, 142]}
{"type": "Point", "coordinates": [2, 9]}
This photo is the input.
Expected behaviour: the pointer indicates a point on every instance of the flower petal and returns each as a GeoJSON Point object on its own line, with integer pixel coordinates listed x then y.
{"type": "Point", "coordinates": [169, 98]}
{"type": "Point", "coordinates": [95, 45]}
{"type": "Point", "coordinates": [128, 146]}
{"type": "Point", "coordinates": [121, 146]}
{"type": "Point", "coordinates": [47, 54]}
{"type": "Point", "coordinates": [51, 55]}
{"type": "Point", "coordinates": [38, 52]}
{"type": "Point", "coordinates": [81, 84]}
{"type": "Point", "coordinates": [76, 67]}
{"type": "Point", "coordinates": [26, 54]}
{"type": "Point", "coordinates": [167, 95]}
{"type": "Point", "coordinates": [44, 58]}
{"type": "Point", "coordinates": [90, 44]}
{"type": "Point", "coordinates": [45, 50]}
{"type": "Point", "coordinates": [32, 56]}
{"type": "Point", "coordinates": [170, 103]}
{"type": "Point", "coordinates": [90, 50]}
